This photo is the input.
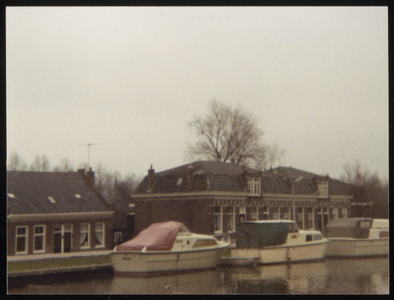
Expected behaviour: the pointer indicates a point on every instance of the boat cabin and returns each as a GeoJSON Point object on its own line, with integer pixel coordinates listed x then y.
{"type": "Point", "coordinates": [258, 234]}
{"type": "Point", "coordinates": [357, 228]}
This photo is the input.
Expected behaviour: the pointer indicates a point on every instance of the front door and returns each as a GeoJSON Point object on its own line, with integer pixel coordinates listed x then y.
{"type": "Point", "coordinates": [62, 238]}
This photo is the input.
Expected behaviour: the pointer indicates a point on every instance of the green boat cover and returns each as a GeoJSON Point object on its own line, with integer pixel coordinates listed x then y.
{"type": "Point", "coordinates": [258, 234]}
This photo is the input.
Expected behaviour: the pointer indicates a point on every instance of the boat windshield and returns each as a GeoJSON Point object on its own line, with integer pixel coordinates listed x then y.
{"type": "Point", "coordinates": [293, 228]}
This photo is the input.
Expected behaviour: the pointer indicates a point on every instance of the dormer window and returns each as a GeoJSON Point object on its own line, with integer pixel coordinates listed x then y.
{"type": "Point", "coordinates": [51, 199]}
{"type": "Point", "coordinates": [254, 186]}
{"type": "Point", "coordinates": [323, 189]}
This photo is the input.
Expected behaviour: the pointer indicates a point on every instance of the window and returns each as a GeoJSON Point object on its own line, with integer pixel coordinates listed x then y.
{"type": "Point", "coordinates": [217, 219]}
{"type": "Point", "coordinates": [11, 195]}
{"type": "Point", "coordinates": [254, 186]}
{"type": "Point", "coordinates": [78, 196]}
{"type": "Point", "coordinates": [285, 212]}
{"type": "Point", "coordinates": [384, 234]}
{"type": "Point", "coordinates": [344, 212]}
{"type": "Point", "coordinates": [300, 217]}
{"type": "Point", "coordinates": [242, 214]}
{"type": "Point", "coordinates": [51, 199]}
{"type": "Point", "coordinates": [309, 238]}
{"type": "Point", "coordinates": [335, 213]}
{"type": "Point", "coordinates": [100, 234]}
{"type": "Point", "coordinates": [274, 212]}
{"type": "Point", "coordinates": [311, 219]}
{"type": "Point", "coordinates": [21, 240]}
{"type": "Point", "coordinates": [230, 214]}
{"type": "Point", "coordinates": [254, 214]}
{"type": "Point", "coordinates": [323, 189]}
{"type": "Point", "coordinates": [118, 237]}
{"type": "Point", "coordinates": [39, 239]}
{"type": "Point", "coordinates": [84, 240]}
{"type": "Point", "coordinates": [179, 182]}
{"type": "Point", "coordinates": [265, 213]}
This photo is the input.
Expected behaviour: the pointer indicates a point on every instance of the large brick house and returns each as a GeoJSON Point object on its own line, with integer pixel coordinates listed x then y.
{"type": "Point", "coordinates": [55, 212]}
{"type": "Point", "coordinates": [211, 197]}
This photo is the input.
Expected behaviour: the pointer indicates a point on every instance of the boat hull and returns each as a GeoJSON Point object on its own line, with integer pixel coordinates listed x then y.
{"type": "Point", "coordinates": [238, 261]}
{"type": "Point", "coordinates": [353, 247]}
{"type": "Point", "coordinates": [136, 263]}
{"type": "Point", "coordinates": [312, 251]}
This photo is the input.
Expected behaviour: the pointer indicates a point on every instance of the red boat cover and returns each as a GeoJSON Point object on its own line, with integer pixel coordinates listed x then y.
{"type": "Point", "coordinates": [158, 236]}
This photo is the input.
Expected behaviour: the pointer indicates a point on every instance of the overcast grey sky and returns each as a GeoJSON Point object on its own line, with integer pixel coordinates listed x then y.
{"type": "Point", "coordinates": [131, 78]}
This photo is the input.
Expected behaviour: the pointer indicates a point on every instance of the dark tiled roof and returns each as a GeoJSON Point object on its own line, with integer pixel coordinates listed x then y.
{"type": "Point", "coordinates": [219, 176]}
{"type": "Point", "coordinates": [285, 179]}
{"type": "Point", "coordinates": [207, 175]}
{"type": "Point", "coordinates": [31, 190]}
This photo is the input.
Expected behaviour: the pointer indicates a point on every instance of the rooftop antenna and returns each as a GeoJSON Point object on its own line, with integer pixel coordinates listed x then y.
{"type": "Point", "coordinates": [89, 144]}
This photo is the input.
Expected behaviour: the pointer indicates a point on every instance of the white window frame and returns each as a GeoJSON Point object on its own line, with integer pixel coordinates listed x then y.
{"type": "Point", "coordinates": [311, 219]}
{"type": "Point", "coordinates": [25, 236]}
{"type": "Point", "coordinates": [218, 215]}
{"type": "Point", "coordinates": [335, 213]}
{"type": "Point", "coordinates": [254, 186]}
{"type": "Point", "coordinates": [96, 231]}
{"type": "Point", "coordinates": [344, 212]}
{"type": "Point", "coordinates": [323, 189]}
{"type": "Point", "coordinates": [286, 215]}
{"type": "Point", "coordinates": [275, 215]}
{"type": "Point", "coordinates": [35, 235]}
{"type": "Point", "coordinates": [300, 218]}
{"type": "Point", "coordinates": [266, 212]}
{"type": "Point", "coordinates": [230, 217]}
{"type": "Point", "coordinates": [254, 214]}
{"type": "Point", "coordinates": [84, 231]}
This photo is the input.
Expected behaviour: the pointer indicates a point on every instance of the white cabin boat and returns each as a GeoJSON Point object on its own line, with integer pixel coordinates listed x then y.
{"type": "Point", "coordinates": [357, 237]}
{"type": "Point", "coordinates": [167, 247]}
{"type": "Point", "coordinates": [278, 241]}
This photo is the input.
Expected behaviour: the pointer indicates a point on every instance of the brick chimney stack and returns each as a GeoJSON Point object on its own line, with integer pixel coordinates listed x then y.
{"type": "Point", "coordinates": [151, 178]}
{"type": "Point", "coordinates": [190, 169]}
{"type": "Point", "coordinates": [90, 178]}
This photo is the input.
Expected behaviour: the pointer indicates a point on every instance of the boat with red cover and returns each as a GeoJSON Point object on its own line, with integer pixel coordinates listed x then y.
{"type": "Point", "coordinates": [167, 247]}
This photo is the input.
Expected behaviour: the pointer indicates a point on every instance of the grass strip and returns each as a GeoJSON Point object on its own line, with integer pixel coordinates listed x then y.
{"type": "Point", "coordinates": [57, 263]}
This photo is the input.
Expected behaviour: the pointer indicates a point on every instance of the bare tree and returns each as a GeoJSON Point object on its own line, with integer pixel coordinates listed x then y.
{"type": "Point", "coordinates": [16, 163]}
{"type": "Point", "coordinates": [367, 187]}
{"type": "Point", "coordinates": [231, 135]}
{"type": "Point", "coordinates": [40, 164]}
{"type": "Point", "coordinates": [65, 166]}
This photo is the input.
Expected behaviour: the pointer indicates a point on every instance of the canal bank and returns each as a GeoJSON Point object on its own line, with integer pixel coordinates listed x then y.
{"type": "Point", "coordinates": [39, 264]}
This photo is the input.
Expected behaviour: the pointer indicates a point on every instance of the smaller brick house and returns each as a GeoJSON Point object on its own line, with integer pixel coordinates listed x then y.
{"type": "Point", "coordinates": [56, 212]}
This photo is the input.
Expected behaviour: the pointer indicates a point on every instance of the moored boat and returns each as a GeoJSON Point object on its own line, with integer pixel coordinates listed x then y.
{"type": "Point", "coordinates": [167, 247]}
{"type": "Point", "coordinates": [357, 237]}
{"type": "Point", "coordinates": [278, 241]}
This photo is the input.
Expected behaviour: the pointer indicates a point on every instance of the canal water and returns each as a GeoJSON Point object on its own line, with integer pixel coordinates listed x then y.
{"type": "Point", "coordinates": [333, 276]}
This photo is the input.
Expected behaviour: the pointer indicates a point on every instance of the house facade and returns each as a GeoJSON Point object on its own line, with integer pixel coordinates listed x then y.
{"type": "Point", "coordinates": [211, 197]}
{"type": "Point", "coordinates": [56, 212]}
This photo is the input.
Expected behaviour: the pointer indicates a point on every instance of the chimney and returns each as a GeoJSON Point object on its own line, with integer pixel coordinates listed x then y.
{"type": "Point", "coordinates": [151, 178]}
{"type": "Point", "coordinates": [90, 178]}
{"type": "Point", "coordinates": [190, 177]}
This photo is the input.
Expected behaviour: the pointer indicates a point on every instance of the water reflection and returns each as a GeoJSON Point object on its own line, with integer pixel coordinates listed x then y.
{"type": "Point", "coordinates": [358, 276]}
{"type": "Point", "coordinates": [206, 282]}
{"type": "Point", "coordinates": [333, 276]}
{"type": "Point", "coordinates": [279, 279]}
